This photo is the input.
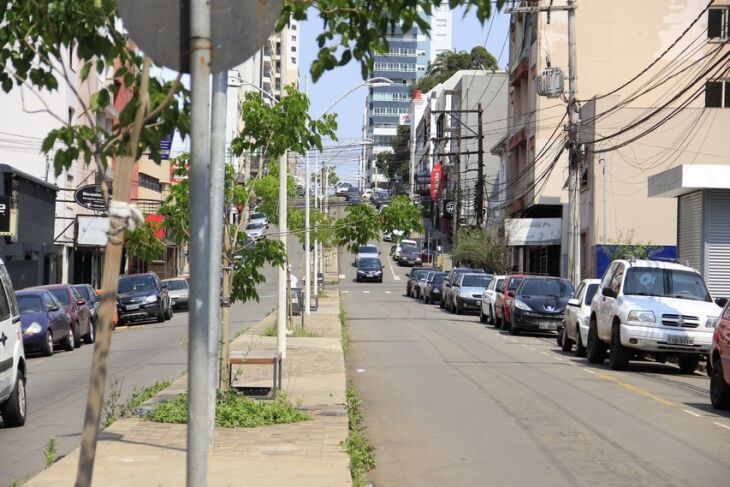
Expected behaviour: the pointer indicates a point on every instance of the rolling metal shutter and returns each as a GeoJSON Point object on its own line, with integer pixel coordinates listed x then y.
{"type": "Point", "coordinates": [689, 230]}
{"type": "Point", "coordinates": [717, 268]}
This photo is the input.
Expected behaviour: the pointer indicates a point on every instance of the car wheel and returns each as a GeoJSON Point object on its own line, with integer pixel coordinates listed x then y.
{"type": "Point", "coordinates": [357, 279]}
{"type": "Point", "coordinates": [47, 348]}
{"type": "Point", "coordinates": [90, 337]}
{"type": "Point", "coordinates": [580, 349]}
{"type": "Point", "coordinates": [596, 349]}
{"type": "Point", "coordinates": [688, 363]}
{"type": "Point", "coordinates": [161, 317]}
{"type": "Point", "coordinates": [13, 411]}
{"type": "Point", "coordinates": [719, 389]}
{"type": "Point", "coordinates": [380, 280]}
{"type": "Point", "coordinates": [441, 303]}
{"type": "Point", "coordinates": [482, 316]}
{"type": "Point", "coordinates": [619, 356]}
{"type": "Point", "coordinates": [77, 336]}
{"type": "Point", "coordinates": [68, 343]}
{"type": "Point", "coordinates": [560, 338]}
{"type": "Point", "coordinates": [458, 308]}
{"type": "Point", "coordinates": [567, 342]}
{"type": "Point", "coordinates": [513, 330]}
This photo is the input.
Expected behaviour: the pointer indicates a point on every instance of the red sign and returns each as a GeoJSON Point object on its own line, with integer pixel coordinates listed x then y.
{"type": "Point", "coordinates": [436, 181]}
{"type": "Point", "coordinates": [156, 223]}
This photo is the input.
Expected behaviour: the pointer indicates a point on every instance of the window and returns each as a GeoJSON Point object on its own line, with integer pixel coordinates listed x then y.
{"type": "Point", "coordinates": [293, 48]}
{"type": "Point", "coordinates": [294, 38]}
{"type": "Point", "coordinates": [717, 94]}
{"type": "Point", "coordinates": [389, 111]}
{"type": "Point", "coordinates": [617, 279]}
{"type": "Point", "coordinates": [440, 22]}
{"type": "Point", "coordinates": [718, 23]}
{"type": "Point", "coordinates": [149, 182]}
{"type": "Point", "coordinates": [389, 96]}
{"type": "Point", "coordinates": [403, 67]}
{"type": "Point", "coordinates": [293, 26]}
{"type": "Point", "coordinates": [4, 305]}
{"type": "Point", "coordinates": [293, 60]}
{"type": "Point", "coordinates": [726, 314]}
{"type": "Point", "coordinates": [440, 37]}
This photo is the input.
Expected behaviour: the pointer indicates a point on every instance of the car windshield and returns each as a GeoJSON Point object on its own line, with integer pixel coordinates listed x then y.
{"type": "Point", "coordinates": [29, 304]}
{"type": "Point", "coordinates": [590, 292]}
{"type": "Point", "coordinates": [666, 283]}
{"type": "Point", "coordinates": [368, 249]}
{"type": "Point", "coordinates": [439, 278]}
{"type": "Point", "coordinates": [515, 283]}
{"type": "Point", "coordinates": [559, 288]}
{"type": "Point", "coordinates": [61, 295]}
{"type": "Point", "coordinates": [370, 264]}
{"type": "Point", "coordinates": [136, 284]}
{"type": "Point", "coordinates": [476, 280]}
{"type": "Point", "coordinates": [499, 284]}
{"type": "Point", "coordinates": [176, 285]}
{"type": "Point", "coordinates": [409, 249]}
{"type": "Point", "coordinates": [84, 291]}
{"type": "Point", "coordinates": [258, 216]}
{"type": "Point", "coordinates": [254, 226]}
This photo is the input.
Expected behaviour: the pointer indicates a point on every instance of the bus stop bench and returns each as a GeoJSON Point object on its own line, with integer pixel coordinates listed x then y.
{"type": "Point", "coordinates": [257, 357]}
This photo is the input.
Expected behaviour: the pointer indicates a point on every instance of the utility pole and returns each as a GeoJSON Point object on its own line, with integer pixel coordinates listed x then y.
{"type": "Point", "coordinates": [307, 250]}
{"type": "Point", "coordinates": [575, 156]}
{"type": "Point", "coordinates": [479, 197]}
{"type": "Point", "coordinates": [316, 205]}
{"type": "Point", "coordinates": [283, 274]}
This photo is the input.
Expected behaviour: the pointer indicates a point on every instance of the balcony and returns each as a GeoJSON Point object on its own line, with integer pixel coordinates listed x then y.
{"type": "Point", "coordinates": [520, 71]}
{"type": "Point", "coordinates": [268, 64]}
{"type": "Point", "coordinates": [266, 83]}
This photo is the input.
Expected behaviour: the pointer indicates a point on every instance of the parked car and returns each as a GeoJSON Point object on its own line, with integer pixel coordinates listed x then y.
{"type": "Point", "coordinates": [538, 304]}
{"type": "Point", "coordinates": [395, 234]}
{"type": "Point", "coordinates": [177, 289]}
{"type": "Point", "coordinates": [421, 283]}
{"type": "Point", "coordinates": [450, 279]}
{"type": "Point", "coordinates": [44, 322]}
{"type": "Point", "coordinates": [466, 291]}
{"type": "Point", "coordinates": [489, 296]}
{"type": "Point", "coordinates": [369, 269]}
{"type": "Point", "coordinates": [652, 308]}
{"type": "Point", "coordinates": [432, 292]}
{"type": "Point", "coordinates": [719, 362]}
{"type": "Point", "coordinates": [115, 316]}
{"type": "Point", "coordinates": [577, 317]}
{"type": "Point", "coordinates": [367, 194]}
{"type": "Point", "coordinates": [409, 255]}
{"type": "Point", "coordinates": [341, 189]}
{"type": "Point", "coordinates": [13, 400]}
{"type": "Point", "coordinates": [77, 308]}
{"type": "Point", "coordinates": [380, 197]}
{"type": "Point", "coordinates": [412, 279]}
{"type": "Point", "coordinates": [366, 251]}
{"type": "Point", "coordinates": [143, 297]}
{"type": "Point", "coordinates": [353, 192]}
{"type": "Point", "coordinates": [399, 247]}
{"type": "Point", "coordinates": [92, 299]}
{"type": "Point", "coordinates": [504, 299]}
{"type": "Point", "coordinates": [255, 231]}
{"type": "Point", "coordinates": [259, 217]}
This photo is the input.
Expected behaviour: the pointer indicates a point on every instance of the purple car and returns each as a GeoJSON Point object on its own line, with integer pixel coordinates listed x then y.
{"type": "Point", "coordinates": [44, 322]}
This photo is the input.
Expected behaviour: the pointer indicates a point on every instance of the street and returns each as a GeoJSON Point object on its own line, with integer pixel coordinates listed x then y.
{"type": "Point", "coordinates": [449, 401]}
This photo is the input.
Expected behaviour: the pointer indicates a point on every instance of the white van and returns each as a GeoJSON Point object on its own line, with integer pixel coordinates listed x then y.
{"type": "Point", "coordinates": [12, 356]}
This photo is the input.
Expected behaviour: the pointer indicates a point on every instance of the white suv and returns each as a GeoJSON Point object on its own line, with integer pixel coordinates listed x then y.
{"type": "Point", "coordinates": [12, 356]}
{"type": "Point", "coordinates": [653, 308]}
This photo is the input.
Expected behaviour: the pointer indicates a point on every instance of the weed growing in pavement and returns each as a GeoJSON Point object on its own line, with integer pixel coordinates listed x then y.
{"type": "Point", "coordinates": [184, 341]}
{"type": "Point", "coordinates": [362, 455]}
{"type": "Point", "coordinates": [49, 453]}
{"type": "Point", "coordinates": [297, 332]}
{"type": "Point", "coordinates": [13, 483]}
{"type": "Point", "coordinates": [345, 335]}
{"type": "Point", "coordinates": [233, 411]}
{"type": "Point", "coordinates": [113, 409]}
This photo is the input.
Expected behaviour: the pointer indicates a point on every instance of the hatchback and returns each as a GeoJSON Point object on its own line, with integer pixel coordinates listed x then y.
{"type": "Point", "coordinates": [44, 322]}
{"type": "Point", "coordinates": [77, 308]}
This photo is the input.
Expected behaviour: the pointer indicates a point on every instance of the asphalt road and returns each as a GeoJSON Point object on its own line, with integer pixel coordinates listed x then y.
{"type": "Point", "coordinates": [451, 402]}
{"type": "Point", "coordinates": [140, 356]}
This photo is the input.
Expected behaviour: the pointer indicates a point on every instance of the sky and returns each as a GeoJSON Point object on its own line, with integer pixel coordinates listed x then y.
{"type": "Point", "coordinates": [467, 33]}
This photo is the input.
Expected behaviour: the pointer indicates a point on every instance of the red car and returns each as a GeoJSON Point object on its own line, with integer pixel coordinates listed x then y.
{"type": "Point", "coordinates": [719, 363]}
{"type": "Point", "coordinates": [75, 305]}
{"type": "Point", "coordinates": [505, 297]}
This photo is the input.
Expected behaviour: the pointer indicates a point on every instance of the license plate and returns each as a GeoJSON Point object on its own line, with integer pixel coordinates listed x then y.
{"type": "Point", "coordinates": [548, 326]}
{"type": "Point", "coordinates": [132, 307]}
{"type": "Point", "coordinates": [678, 340]}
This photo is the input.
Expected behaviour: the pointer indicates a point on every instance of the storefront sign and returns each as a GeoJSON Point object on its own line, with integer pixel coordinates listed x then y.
{"type": "Point", "coordinates": [91, 197]}
{"type": "Point", "coordinates": [165, 146]}
{"type": "Point", "coordinates": [533, 231]}
{"type": "Point", "coordinates": [92, 230]}
{"type": "Point", "coordinates": [450, 207]}
{"type": "Point", "coordinates": [156, 223]}
{"type": "Point", "coordinates": [5, 217]}
{"type": "Point", "coordinates": [436, 181]}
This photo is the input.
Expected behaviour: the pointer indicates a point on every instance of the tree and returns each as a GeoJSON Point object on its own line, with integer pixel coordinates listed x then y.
{"type": "Point", "coordinates": [475, 247]}
{"type": "Point", "coordinates": [143, 244]}
{"type": "Point", "coordinates": [401, 214]}
{"type": "Point", "coordinates": [396, 164]}
{"type": "Point", "coordinates": [358, 227]}
{"type": "Point", "coordinates": [447, 63]}
{"type": "Point", "coordinates": [624, 247]}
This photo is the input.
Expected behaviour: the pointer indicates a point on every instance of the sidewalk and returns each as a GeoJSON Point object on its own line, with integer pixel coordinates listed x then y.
{"type": "Point", "coordinates": [309, 453]}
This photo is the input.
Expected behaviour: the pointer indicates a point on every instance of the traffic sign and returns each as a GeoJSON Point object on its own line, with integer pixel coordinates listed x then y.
{"type": "Point", "coordinates": [239, 30]}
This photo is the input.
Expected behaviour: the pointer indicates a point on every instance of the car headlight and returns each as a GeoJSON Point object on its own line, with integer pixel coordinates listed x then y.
{"type": "Point", "coordinates": [641, 316]}
{"type": "Point", "coordinates": [711, 322]}
{"type": "Point", "coordinates": [150, 299]}
{"type": "Point", "coordinates": [522, 305]}
{"type": "Point", "coordinates": [34, 328]}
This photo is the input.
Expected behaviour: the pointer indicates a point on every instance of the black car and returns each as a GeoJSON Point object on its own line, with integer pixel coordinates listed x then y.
{"type": "Point", "coordinates": [369, 269]}
{"type": "Point", "coordinates": [412, 280]}
{"type": "Point", "coordinates": [539, 304]}
{"type": "Point", "coordinates": [143, 297]}
{"type": "Point", "coordinates": [432, 292]}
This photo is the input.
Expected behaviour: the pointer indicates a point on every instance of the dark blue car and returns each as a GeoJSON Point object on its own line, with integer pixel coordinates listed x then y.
{"type": "Point", "coordinates": [44, 322]}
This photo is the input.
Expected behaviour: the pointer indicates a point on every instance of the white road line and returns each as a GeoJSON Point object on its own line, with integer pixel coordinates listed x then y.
{"type": "Point", "coordinates": [344, 291]}
{"type": "Point", "coordinates": [721, 425]}
{"type": "Point", "coordinates": [390, 265]}
{"type": "Point", "coordinates": [366, 292]}
{"type": "Point", "coordinates": [545, 353]}
{"type": "Point", "coordinates": [692, 413]}
{"type": "Point", "coordinates": [532, 348]}
{"type": "Point", "coordinates": [561, 358]}
{"type": "Point", "coordinates": [342, 276]}
{"type": "Point", "coordinates": [388, 292]}
{"type": "Point", "coordinates": [589, 371]}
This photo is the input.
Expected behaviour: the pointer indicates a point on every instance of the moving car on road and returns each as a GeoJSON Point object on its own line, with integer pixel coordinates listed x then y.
{"type": "Point", "coordinates": [719, 362]}
{"type": "Point", "coordinates": [44, 322]}
{"type": "Point", "coordinates": [255, 231]}
{"type": "Point", "coordinates": [367, 251]}
{"type": "Point", "coordinates": [143, 297]}
{"type": "Point", "coordinates": [341, 189]}
{"type": "Point", "coordinates": [652, 308]}
{"type": "Point", "coordinates": [399, 247]}
{"type": "Point", "coordinates": [539, 304]}
{"type": "Point", "coordinates": [12, 356]}
{"type": "Point", "coordinates": [432, 291]}
{"type": "Point", "coordinates": [489, 297]}
{"type": "Point", "coordinates": [77, 308]}
{"type": "Point", "coordinates": [504, 299]}
{"type": "Point", "coordinates": [259, 217]}
{"type": "Point", "coordinates": [409, 255]}
{"type": "Point", "coordinates": [369, 269]}
{"type": "Point", "coordinates": [177, 289]}
{"type": "Point", "coordinates": [577, 317]}
{"type": "Point", "coordinates": [467, 291]}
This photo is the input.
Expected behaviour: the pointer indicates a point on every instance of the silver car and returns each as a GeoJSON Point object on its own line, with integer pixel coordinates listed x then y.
{"type": "Point", "coordinates": [177, 289]}
{"type": "Point", "coordinates": [489, 298]}
{"type": "Point", "coordinates": [467, 291]}
{"type": "Point", "coordinates": [255, 231]}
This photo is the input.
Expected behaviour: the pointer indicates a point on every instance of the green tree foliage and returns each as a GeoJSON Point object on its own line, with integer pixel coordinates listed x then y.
{"type": "Point", "coordinates": [475, 247]}
{"type": "Point", "coordinates": [449, 62]}
{"type": "Point", "coordinates": [358, 29]}
{"type": "Point", "coordinates": [625, 247]}
{"type": "Point", "coordinates": [266, 191]}
{"type": "Point", "coordinates": [143, 244]}
{"type": "Point", "coordinates": [248, 261]}
{"type": "Point", "coordinates": [401, 214]}
{"type": "Point", "coordinates": [360, 226]}
{"type": "Point", "coordinates": [396, 164]}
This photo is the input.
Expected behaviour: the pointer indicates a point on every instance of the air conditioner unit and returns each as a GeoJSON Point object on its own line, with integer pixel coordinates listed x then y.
{"type": "Point", "coordinates": [549, 82]}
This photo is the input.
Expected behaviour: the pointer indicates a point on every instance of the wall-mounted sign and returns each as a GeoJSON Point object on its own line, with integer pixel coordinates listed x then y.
{"type": "Point", "coordinates": [165, 146]}
{"type": "Point", "coordinates": [533, 231]}
{"type": "Point", "coordinates": [92, 230]}
{"type": "Point", "coordinates": [450, 207]}
{"type": "Point", "coordinates": [91, 197]}
{"type": "Point", "coordinates": [436, 181]}
{"type": "Point", "coordinates": [7, 219]}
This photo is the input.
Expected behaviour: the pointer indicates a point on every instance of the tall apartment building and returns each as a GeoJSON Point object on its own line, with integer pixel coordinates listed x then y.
{"type": "Point", "coordinates": [387, 106]}
{"type": "Point", "coordinates": [612, 48]}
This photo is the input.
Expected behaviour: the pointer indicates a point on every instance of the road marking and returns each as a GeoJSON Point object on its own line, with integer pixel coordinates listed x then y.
{"type": "Point", "coordinates": [366, 292]}
{"type": "Point", "coordinates": [545, 353]}
{"type": "Point", "coordinates": [589, 371]}
{"type": "Point", "coordinates": [533, 349]}
{"type": "Point", "coordinates": [344, 291]}
{"type": "Point", "coordinates": [637, 390]}
{"type": "Point", "coordinates": [721, 425]}
{"type": "Point", "coordinates": [388, 292]}
{"type": "Point", "coordinates": [390, 265]}
{"type": "Point", "coordinates": [561, 358]}
{"type": "Point", "coordinates": [342, 276]}
{"type": "Point", "coordinates": [692, 413]}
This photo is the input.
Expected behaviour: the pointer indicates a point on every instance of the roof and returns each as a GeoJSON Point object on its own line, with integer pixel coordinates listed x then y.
{"type": "Point", "coordinates": [5, 168]}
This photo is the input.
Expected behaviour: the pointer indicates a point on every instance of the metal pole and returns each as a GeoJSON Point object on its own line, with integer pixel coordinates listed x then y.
{"type": "Point", "coordinates": [604, 221]}
{"type": "Point", "coordinates": [479, 197]}
{"type": "Point", "coordinates": [198, 377]}
{"type": "Point", "coordinates": [316, 205]}
{"type": "Point", "coordinates": [574, 153]}
{"type": "Point", "coordinates": [217, 215]}
{"type": "Point", "coordinates": [281, 309]}
{"type": "Point", "coordinates": [307, 250]}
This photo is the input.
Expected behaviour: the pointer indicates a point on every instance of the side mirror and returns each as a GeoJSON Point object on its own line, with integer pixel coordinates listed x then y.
{"type": "Point", "coordinates": [164, 285]}
{"type": "Point", "coordinates": [608, 292]}
{"type": "Point", "coordinates": [574, 302]}
{"type": "Point", "coordinates": [80, 302]}
{"type": "Point", "coordinates": [52, 307]}
{"type": "Point", "coordinates": [721, 302]}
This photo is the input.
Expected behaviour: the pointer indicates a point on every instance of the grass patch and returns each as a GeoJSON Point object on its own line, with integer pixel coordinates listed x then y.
{"type": "Point", "coordinates": [113, 409]}
{"type": "Point", "coordinates": [298, 332]}
{"type": "Point", "coordinates": [362, 455]}
{"type": "Point", "coordinates": [345, 335]}
{"type": "Point", "coordinates": [49, 453]}
{"type": "Point", "coordinates": [232, 411]}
